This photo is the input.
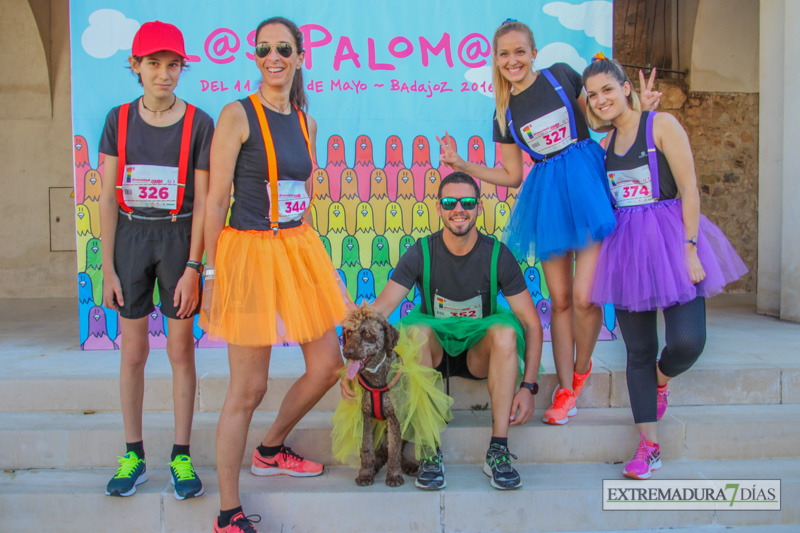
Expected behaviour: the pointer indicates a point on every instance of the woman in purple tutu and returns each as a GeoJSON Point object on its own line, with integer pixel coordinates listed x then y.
{"type": "Point", "coordinates": [663, 253]}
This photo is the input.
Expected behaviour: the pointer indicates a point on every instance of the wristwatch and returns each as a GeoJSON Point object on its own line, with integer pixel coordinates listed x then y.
{"type": "Point", "coordinates": [533, 387]}
{"type": "Point", "coordinates": [195, 265]}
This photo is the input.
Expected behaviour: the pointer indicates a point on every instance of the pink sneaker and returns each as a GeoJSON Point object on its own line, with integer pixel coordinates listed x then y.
{"type": "Point", "coordinates": [239, 524]}
{"type": "Point", "coordinates": [646, 459]}
{"type": "Point", "coordinates": [579, 380]}
{"type": "Point", "coordinates": [285, 462]}
{"type": "Point", "coordinates": [563, 407]}
{"type": "Point", "coordinates": [662, 403]}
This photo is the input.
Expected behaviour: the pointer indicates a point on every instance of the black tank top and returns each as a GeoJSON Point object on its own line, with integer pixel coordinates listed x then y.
{"type": "Point", "coordinates": [250, 210]}
{"type": "Point", "coordinates": [636, 157]}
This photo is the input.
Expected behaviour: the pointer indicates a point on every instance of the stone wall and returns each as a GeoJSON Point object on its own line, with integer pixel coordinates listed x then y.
{"type": "Point", "coordinates": [723, 131]}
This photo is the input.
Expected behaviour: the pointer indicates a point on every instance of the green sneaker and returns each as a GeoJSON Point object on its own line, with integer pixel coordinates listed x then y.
{"type": "Point", "coordinates": [131, 472]}
{"type": "Point", "coordinates": [498, 467]}
{"type": "Point", "coordinates": [184, 478]}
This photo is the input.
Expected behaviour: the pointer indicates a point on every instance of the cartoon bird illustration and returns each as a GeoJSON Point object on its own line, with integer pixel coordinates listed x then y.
{"type": "Point", "coordinates": [366, 287]}
{"type": "Point", "coordinates": [545, 291]}
{"type": "Point", "coordinates": [420, 164]}
{"type": "Point", "coordinates": [156, 329]}
{"type": "Point", "coordinates": [534, 282]}
{"type": "Point", "coordinates": [351, 264]}
{"type": "Point", "coordinates": [98, 338]}
{"type": "Point", "coordinates": [335, 165]}
{"type": "Point", "coordinates": [85, 304]}
{"type": "Point", "coordinates": [83, 227]}
{"type": "Point", "coordinates": [326, 243]}
{"type": "Point", "coordinates": [92, 199]}
{"type": "Point", "coordinates": [378, 199]}
{"type": "Point", "coordinates": [364, 166]}
{"type": "Point", "coordinates": [380, 265]}
{"type": "Point", "coordinates": [81, 157]}
{"type": "Point", "coordinates": [501, 215]}
{"type": "Point", "coordinates": [609, 323]}
{"type": "Point", "coordinates": [444, 170]}
{"type": "Point", "coordinates": [394, 164]}
{"type": "Point", "coordinates": [420, 225]}
{"type": "Point", "coordinates": [349, 198]}
{"type": "Point", "coordinates": [406, 242]}
{"type": "Point", "coordinates": [342, 277]}
{"type": "Point", "coordinates": [365, 231]}
{"type": "Point", "coordinates": [322, 199]}
{"type": "Point", "coordinates": [394, 230]}
{"type": "Point", "coordinates": [475, 151]}
{"type": "Point", "coordinates": [406, 308]}
{"type": "Point", "coordinates": [94, 264]}
{"type": "Point", "coordinates": [405, 196]}
{"type": "Point", "coordinates": [337, 231]}
{"type": "Point", "coordinates": [543, 307]}
{"type": "Point", "coordinates": [432, 181]}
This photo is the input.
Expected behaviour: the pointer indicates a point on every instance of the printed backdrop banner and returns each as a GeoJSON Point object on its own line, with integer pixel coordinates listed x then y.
{"type": "Point", "coordinates": [383, 79]}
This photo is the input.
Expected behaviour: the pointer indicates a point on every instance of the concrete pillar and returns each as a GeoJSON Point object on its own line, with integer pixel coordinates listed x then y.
{"type": "Point", "coordinates": [779, 161]}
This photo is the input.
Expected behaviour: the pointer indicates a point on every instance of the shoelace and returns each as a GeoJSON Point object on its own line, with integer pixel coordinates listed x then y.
{"type": "Point", "coordinates": [183, 469]}
{"type": "Point", "coordinates": [245, 523]}
{"type": "Point", "coordinates": [501, 458]}
{"type": "Point", "coordinates": [643, 452]}
{"type": "Point", "coordinates": [127, 466]}
{"type": "Point", "coordinates": [290, 456]}
{"type": "Point", "coordinates": [431, 463]}
{"type": "Point", "coordinates": [560, 398]}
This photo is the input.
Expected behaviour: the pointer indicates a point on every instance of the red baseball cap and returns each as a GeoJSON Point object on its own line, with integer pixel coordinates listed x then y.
{"type": "Point", "coordinates": [157, 36]}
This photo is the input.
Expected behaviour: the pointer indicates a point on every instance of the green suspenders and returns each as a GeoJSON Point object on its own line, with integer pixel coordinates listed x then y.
{"type": "Point", "coordinates": [426, 275]}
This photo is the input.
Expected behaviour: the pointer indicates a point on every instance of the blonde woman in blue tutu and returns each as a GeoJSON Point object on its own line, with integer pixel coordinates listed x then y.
{"type": "Point", "coordinates": [563, 210]}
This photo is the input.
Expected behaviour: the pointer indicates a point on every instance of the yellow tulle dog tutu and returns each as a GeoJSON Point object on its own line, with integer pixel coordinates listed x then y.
{"type": "Point", "coordinates": [422, 407]}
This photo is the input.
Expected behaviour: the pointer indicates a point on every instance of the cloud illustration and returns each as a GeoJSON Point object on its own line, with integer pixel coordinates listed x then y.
{"type": "Point", "coordinates": [480, 76]}
{"type": "Point", "coordinates": [109, 31]}
{"type": "Point", "coordinates": [595, 18]}
{"type": "Point", "coordinates": [559, 53]}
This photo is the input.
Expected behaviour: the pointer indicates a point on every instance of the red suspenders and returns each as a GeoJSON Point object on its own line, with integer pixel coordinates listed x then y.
{"type": "Point", "coordinates": [183, 160]}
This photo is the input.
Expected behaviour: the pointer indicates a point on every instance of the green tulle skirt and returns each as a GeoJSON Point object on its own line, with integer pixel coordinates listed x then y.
{"type": "Point", "coordinates": [422, 407]}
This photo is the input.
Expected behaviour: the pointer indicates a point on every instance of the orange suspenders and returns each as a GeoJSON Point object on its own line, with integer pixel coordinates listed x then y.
{"type": "Point", "coordinates": [272, 161]}
{"type": "Point", "coordinates": [183, 160]}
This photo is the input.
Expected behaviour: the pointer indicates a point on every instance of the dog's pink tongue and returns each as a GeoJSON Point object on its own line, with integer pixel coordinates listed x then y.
{"type": "Point", "coordinates": [352, 369]}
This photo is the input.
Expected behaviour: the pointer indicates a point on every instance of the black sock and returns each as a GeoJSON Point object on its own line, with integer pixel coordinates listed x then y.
{"type": "Point", "coordinates": [136, 447]}
{"type": "Point", "coordinates": [269, 451]}
{"type": "Point", "coordinates": [503, 441]}
{"type": "Point", "coordinates": [179, 449]}
{"type": "Point", "coordinates": [224, 519]}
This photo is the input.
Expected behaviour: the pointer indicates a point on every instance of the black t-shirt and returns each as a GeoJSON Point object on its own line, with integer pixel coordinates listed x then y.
{"type": "Point", "coordinates": [636, 157]}
{"type": "Point", "coordinates": [156, 145]}
{"type": "Point", "coordinates": [251, 208]}
{"type": "Point", "coordinates": [540, 99]}
{"type": "Point", "coordinates": [460, 278]}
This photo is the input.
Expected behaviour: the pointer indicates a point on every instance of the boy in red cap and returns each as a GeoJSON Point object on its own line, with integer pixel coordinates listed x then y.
{"type": "Point", "coordinates": [152, 206]}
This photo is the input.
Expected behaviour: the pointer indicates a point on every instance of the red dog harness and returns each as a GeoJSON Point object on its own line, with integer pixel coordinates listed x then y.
{"type": "Point", "coordinates": [379, 392]}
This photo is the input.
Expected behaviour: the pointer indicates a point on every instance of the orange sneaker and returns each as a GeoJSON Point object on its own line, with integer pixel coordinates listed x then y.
{"type": "Point", "coordinates": [285, 462]}
{"type": "Point", "coordinates": [563, 407]}
{"type": "Point", "coordinates": [579, 380]}
{"type": "Point", "coordinates": [239, 524]}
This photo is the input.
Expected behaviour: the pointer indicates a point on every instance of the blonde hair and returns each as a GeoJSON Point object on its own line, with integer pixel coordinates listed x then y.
{"type": "Point", "coordinates": [614, 69]}
{"type": "Point", "coordinates": [502, 87]}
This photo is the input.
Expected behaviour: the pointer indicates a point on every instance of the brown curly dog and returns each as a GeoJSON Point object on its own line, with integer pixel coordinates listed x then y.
{"type": "Point", "coordinates": [369, 342]}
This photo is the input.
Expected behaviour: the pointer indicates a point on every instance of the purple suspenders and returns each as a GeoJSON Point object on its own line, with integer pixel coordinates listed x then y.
{"type": "Point", "coordinates": [652, 159]}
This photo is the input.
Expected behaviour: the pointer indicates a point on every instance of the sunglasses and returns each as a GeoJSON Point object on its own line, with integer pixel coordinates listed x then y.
{"type": "Point", "coordinates": [448, 204]}
{"type": "Point", "coordinates": [284, 49]}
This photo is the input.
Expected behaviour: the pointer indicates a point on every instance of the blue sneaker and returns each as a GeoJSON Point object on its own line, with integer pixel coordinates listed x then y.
{"type": "Point", "coordinates": [131, 472]}
{"type": "Point", "coordinates": [184, 478]}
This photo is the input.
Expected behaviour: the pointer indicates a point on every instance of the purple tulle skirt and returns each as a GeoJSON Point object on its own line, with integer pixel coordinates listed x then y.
{"type": "Point", "coordinates": [643, 265]}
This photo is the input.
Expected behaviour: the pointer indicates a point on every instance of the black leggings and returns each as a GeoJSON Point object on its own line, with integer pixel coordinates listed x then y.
{"type": "Point", "coordinates": [685, 334]}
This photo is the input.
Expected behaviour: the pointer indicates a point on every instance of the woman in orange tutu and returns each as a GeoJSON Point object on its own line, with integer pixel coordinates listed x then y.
{"type": "Point", "coordinates": [267, 263]}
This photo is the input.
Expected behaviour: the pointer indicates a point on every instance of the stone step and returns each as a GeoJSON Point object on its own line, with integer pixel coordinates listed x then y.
{"type": "Point", "coordinates": [71, 440]}
{"type": "Point", "coordinates": [82, 386]}
{"type": "Point", "coordinates": [554, 497]}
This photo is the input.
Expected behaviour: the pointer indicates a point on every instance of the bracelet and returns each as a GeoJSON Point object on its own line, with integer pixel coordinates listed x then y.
{"type": "Point", "coordinates": [209, 273]}
{"type": "Point", "coordinates": [693, 240]}
{"type": "Point", "coordinates": [195, 265]}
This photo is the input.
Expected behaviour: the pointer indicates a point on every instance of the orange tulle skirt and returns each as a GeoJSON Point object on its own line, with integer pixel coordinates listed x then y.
{"type": "Point", "coordinates": [261, 276]}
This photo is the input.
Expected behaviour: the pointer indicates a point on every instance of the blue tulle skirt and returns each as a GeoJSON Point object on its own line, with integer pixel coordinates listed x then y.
{"type": "Point", "coordinates": [564, 205]}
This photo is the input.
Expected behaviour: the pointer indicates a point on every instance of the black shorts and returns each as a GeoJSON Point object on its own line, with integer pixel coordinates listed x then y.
{"type": "Point", "coordinates": [457, 366]}
{"type": "Point", "coordinates": [147, 252]}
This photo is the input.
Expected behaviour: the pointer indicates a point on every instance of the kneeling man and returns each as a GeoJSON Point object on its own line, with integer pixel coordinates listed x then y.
{"type": "Point", "coordinates": [459, 273]}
